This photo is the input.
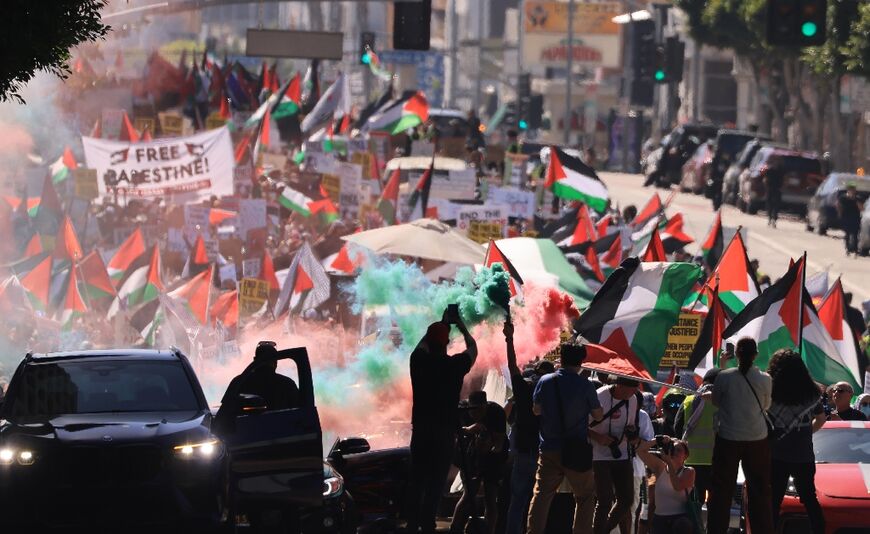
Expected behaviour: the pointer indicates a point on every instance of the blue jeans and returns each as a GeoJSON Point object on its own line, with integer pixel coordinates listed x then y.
{"type": "Point", "coordinates": [522, 484]}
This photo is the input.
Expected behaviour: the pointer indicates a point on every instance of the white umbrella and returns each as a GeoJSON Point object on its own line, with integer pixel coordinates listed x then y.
{"type": "Point", "coordinates": [424, 238]}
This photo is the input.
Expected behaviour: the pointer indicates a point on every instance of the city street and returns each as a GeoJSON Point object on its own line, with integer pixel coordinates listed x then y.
{"type": "Point", "coordinates": [771, 246]}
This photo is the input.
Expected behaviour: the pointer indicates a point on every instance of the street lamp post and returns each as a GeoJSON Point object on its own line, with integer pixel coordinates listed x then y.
{"type": "Point", "coordinates": [569, 79]}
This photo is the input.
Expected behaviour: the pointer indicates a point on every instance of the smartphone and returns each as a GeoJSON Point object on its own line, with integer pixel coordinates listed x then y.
{"type": "Point", "coordinates": [452, 313]}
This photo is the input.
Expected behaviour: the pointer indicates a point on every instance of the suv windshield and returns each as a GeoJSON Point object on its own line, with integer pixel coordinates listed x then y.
{"type": "Point", "coordinates": [801, 165]}
{"type": "Point", "coordinates": [731, 144]}
{"type": "Point", "coordinates": [104, 386]}
{"type": "Point", "coordinates": [842, 446]}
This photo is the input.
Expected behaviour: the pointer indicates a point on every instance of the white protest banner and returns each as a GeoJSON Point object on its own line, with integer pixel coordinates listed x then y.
{"type": "Point", "coordinates": [227, 272]}
{"type": "Point", "coordinates": [251, 268]}
{"type": "Point", "coordinates": [186, 168]}
{"type": "Point", "coordinates": [350, 176]}
{"type": "Point", "coordinates": [252, 215]}
{"type": "Point", "coordinates": [482, 223]}
{"type": "Point", "coordinates": [520, 204]}
{"type": "Point", "coordinates": [458, 185]}
{"type": "Point", "coordinates": [322, 163]}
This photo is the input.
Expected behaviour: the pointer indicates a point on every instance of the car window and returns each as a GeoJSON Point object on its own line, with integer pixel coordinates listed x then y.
{"type": "Point", "coordinates": [749, 153]}
{"type": "Point", "coordinates": [842, 446]}
{"type": "Point", "coordinates": [801, 165]}
{"type": "Point", "coordinates": [76, 387]}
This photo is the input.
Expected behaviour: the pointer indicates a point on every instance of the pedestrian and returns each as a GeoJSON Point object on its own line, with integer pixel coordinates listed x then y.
{"type": "Point", "coordinates": [482, 457]}
{"type": "Point", "coordinates": [862, 404]}
{"type": "Point", "coordinates": [773, 180]}
{"type": "Point", "coordinates": [742, 395]}
{"type": "Point", "coordinates": [796, 413]}
{"type": "Point", "coordinates": [613, 437]}
{"type": "Point", "coordinates": [841, 393]}
{"type": "Point", "coordinates": [695, 426]}
{"type": "Point", "coordinates": [564, 401]}
{"type": "Point", "coordinates": [513, 143]}
{"type": "Point", "coordinates": [524, 436]}
{"type": "Point", "coordinates": [673, 482]}
{"type": "Point", "coordinates": [436, 381]}
{"type": "Point", "coordinates": [849, 208]}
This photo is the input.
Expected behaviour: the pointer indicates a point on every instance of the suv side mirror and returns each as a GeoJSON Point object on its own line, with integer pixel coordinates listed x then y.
{"type": "Point", "coordinates": [251, 404]}
{"type": "Point", "coordinates": [352, 446]}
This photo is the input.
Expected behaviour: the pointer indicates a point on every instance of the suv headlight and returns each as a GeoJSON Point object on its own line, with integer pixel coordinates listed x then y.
{"type": "Point", "coordinates": [9, 456]}
{"type": "Point", "coordinates": [332, 486]}
{"type": "Point", "coordinates": [790, 489]}
{"type": "Point", "coordinates": [204, 449]}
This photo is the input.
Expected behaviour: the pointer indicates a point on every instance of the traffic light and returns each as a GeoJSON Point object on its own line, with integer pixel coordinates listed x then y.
{"type": "Point", "coordinates": [535, 114]}
{"type": "Point", "coordinates": [798, 23]}
{"type": "Point", "coordinates": [411, 25]}
{"type": "Point", "coordinates": [644, 49]}
{"type": "Point", "coordinates": [524, 95]}
{"type": "Point", "coordinates": [660, 65]}
{"type": "Point", "coordinates": [366, 45]}
{"type": "Point", "coordinates": [510, 114]}
{"type": "Point", "coordinates": [675, 52]}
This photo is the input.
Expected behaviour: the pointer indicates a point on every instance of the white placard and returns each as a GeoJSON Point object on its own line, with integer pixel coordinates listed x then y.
{"type": "Point", "coordinates": [251, 268]}
{"type": "Point", "coordinates": [459, 185]}
{"type": "Point", "coordinates": [480, 213]}
{"type": "Point", "coordinates": [252, 215]}
{"type": "Point", "coordinates": [227, 272]}
{"type": "Point", "coordinates": [183, 168]}
{"type": "Point", "coordinates": [519, 204]}
{"type": "Point", "coordinates": [318, 162]}
{"type": "Point", "coordinates": [350, 176]}
{"type": "Point", "coordinates": [196, 222]}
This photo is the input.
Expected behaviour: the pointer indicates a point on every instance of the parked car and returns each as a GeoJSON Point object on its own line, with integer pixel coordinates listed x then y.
{"type": "Point", "coordinates": [864, 235]}
{"type": "Point", "coordinates": [729, 143]}
{"type": "Point", "coordinates": [802, 174]}
{"type": "Point", "coordinates": [682, 143]}
{"type": "Point", "coordinates": [731, 179]}
{"type": "Point", "coordinates": [842, 451]}
{"type": "Point", "coordinates": [822, 209]}
{"type": "Point", "coordinates": [695, 171]}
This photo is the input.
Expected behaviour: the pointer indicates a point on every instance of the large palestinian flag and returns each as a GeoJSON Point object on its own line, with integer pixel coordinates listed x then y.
{"type": "Point", "coordinates": [714, 245]}
{"type": "Point", "coordinates": [832, 314]}
{"type": "Point", "coordinates": [636, 307]}
{"type": "Point", "coordinates": [196, 294]}
{"type": "Point", "coordinates": [293, 200]}
{"type": "Point", "coordinates": [653, 209]}
{"type": "Point", "coordinates": [388, 204]}
{"type": "Point", "coordinates": [608, 250]}
{"type": "Point", "coordinates": [143, 285]}
{"type": "Point", "coordinates": [306, 284]}
{"type": "Point", "coordinates": [783, 317]}
{"type": "Point", "coordinates": [737, 283]}
{"type": "Point", "coordinates": [132, 248]}
{"type": "Point", "coordinates": [73, 304]}
{"type": "Point", "coordinates": [95, 281]}
{"type": "Point", "coordinates": [710, 343]}
{"type": "Point", "coordinates": [495, 255]}
{"type": "Point", "coordinates": [572, 179]}
{"type": "Point", "coordinates": [37, 283]}
{"type": "Point", "coordinates": [408, 111]}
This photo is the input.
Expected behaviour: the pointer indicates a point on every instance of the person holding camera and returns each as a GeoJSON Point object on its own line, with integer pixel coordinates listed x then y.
{"type": "Point", "coordinates": [613, 437]}
{"type": "Point", "coordinates": [694, 423]}
{"type": "Point", "coordinates": [436, 382]}
{"type": "Point", "coordinates": [673, 482]}
{"type": "Point", "coordinates": [564, 401]}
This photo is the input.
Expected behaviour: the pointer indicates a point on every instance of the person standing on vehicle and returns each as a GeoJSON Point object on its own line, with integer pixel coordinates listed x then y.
{"type": "Point", "coordinates": [849, 210]}
{"type": "Point", "coordinates": [564, 401]}
{"type": "Point", "coordinates": [524, 437]}
{"type": "Point", "coordinates": [796, 413]}
{"type": "Point", "coordinates": [742, 395]}
{"type": "Point", "coordinates": [613, 437]}
{"type": "Point", "coordinates": [436, 381]}
{"type": "Point", "coordinates": [773, 180]}
{"type": "Point", "coordinates": [674, 481]}
{"type": "Point", "coordinates": [841, 393]}
{"type": "Point", "coordinates": [695, 424]}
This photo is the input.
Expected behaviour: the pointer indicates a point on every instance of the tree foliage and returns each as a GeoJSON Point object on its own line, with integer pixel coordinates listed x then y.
{"type": "Point", "coordinates": [857, 47]}
{"type": "Point", "coordinates": [38, 36]}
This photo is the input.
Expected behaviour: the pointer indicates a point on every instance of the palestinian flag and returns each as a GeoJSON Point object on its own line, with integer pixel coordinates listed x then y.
{"type": "Point", "coordinates": [342, 263]}
{"type": "Point", "coordinates": [408, 111]}
{"type": "Point", "coordinates": [196, 294]}
{"type": "Point", "coordinates": [128, 133]}
{"type": "Point", "coordinates": [264, 138]}
{"type": "Point", "coordinates": [97, 130]}
{"type": "Point", "coordinates": [325, 108]}
{"type": "Point", "coordinates": [832, 314]}
{"type": "Point", "coordinates": [148, 321]}
{"type": "Point", "coordinates": [306, 285]}
{"type": "Point", "coordinates": [34, 247]}
{"type": "Point", "coordinates": [388, 204]}
{"type": "Point", "coordinates": [48, 214]}
{"type": "Point", "coordinates": [374, 107]}
{"type": "Point", "coordinates": [783, 317]}
{"type": "Point", "coordinates": [267, 272]}
{"type": "Point", "coordinates": [143, 285]}
{"type": "Point", "coordinates": [37, 283]}
{"type": "Point", "coordinates": [293, 200]}
{"type": "Point", "coordinates": [655, 250]}
{"type": "Point", "coordinates": [73, 304]}
{"type": "Point", "coordinates": [603, 225]}
{"type": "Point", "coordinates": [197, 260]}
{"type": "Point", "coordinates": [712, 334]}
{"type": "Point", "coordinates": [540, 261]}
{"type": "Point", "coordinates": [636, 307]}
{"type": "Point", "coordinates": [67, 245]}
{"type": "Point", "coordinates": [131, 249]}
{"type": "Point", "coordinates": [714, 245]}
{"type": "Point", "coordinates": [95, 278]}
{"type": "Point", "coordinates": [291, 99]}
{"type": "Point", "coordinates": [737, 284]}
{"type": "Point", "coordinates": [494, 255]}
{"type": "Point", "coordinates": [13, 297]}
{"type": "Point", "coordinates": [572, 179]}
{"type": "Point", "coordinates": [63, 167]}
{"type": "Point", "coordinates": [672, 235]}
{"type": "Point", "coordinates": [421, 190]}
{"type": "Point", "coordinates": [653, 209]}
{"type": "Point", "coordinates": [226, 309]}
{"type": "Point", "coordinates": [326, 209]}
{"type": "Point", "coordinates": [584, 231]}
{"type": "Point", "coordinates": [609, 249]}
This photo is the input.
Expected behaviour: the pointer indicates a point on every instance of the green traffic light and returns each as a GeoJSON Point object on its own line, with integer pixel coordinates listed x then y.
{"type": "Point", "coordinates": [366, 58]}
{"type": "Point", "coordinates": [660, 75]}
{"type": "Point", "coordinates": [809, 29]}
{"type": "Point", "coordinates": [523, 125]}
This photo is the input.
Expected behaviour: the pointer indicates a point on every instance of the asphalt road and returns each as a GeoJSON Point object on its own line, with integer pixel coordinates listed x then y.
{"type": "Point", "coordinates": [771, 246]}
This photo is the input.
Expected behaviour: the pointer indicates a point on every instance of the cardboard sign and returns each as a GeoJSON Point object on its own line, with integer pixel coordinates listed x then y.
{"type": "Point", "coordinates": [214, 121]}
{"type": "Point", "coordinates": [196, 222]}
{"type": "Point", "coordinates": [484, 231]}
{"type": "Point", "coordinates": [519, 204]}
{"type": "Point", "coordinates": [515, 170]}
{"type": "Point", "coordinates": [364, 160]}
{"type": "Point", "coordinates": [85, 183]}
{"type": "Point", "coordinates": [251, 267]}
{"type": "Point", "coordinates": [179, 169]}
{"type": "Point", "coordinates": [171, 123]}
{"type": "Point", "coordinates": [331, 183]}
{"type": "Point", "coordinates": [145, 123]}
{"type": "Point", "coordinates": [681, 339]}
{"type": "Point", "coordinates": [253, 294]}
{"type": "Point", "coordinates": [482, 223]}
{"type": "Point", "coordinates": [227, 272]}
{"type": "Point", "coordinates": [111, 123]}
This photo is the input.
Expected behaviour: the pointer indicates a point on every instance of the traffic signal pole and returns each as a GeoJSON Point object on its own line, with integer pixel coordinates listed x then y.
{"type": "Point", "coordinates": [569, 78]}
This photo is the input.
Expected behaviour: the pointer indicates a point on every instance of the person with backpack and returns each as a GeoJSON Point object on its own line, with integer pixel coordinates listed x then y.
{"type": "Point", "coordinates": [796, 413]}
{"type": "Point", "coordinates": [694, 423]}
{"type": "Point", "coordinates": [564, 401]}
{"type": "Point", "coordinates": [742, 395]}
{"type": "Point", "coordinates": [614, 436]}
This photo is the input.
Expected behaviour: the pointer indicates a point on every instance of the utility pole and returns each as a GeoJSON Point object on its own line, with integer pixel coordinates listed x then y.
{"type": "Point", "coordinates": [362, 19]}
{"type": "Point", "coordinates": [569, 79]}
{"type": "Point", "coordinates": [453, 71]}
{"type": "Point", "coordinates": [521, 17]}
{"type": "Point", "coordinates": [478, 89]}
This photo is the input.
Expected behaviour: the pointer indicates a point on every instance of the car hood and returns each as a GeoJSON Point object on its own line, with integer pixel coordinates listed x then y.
{"type": "Point", "coordinates": [111, 427]}
{"type": "Point", "coordinates": [844, 481]}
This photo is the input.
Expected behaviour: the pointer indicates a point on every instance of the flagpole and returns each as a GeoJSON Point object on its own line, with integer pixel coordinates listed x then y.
{"type": "Point", "coordinates": [801, 312]}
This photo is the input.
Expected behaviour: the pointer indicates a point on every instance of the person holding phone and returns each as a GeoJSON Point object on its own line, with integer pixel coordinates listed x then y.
{"type": "Point", "coordinates": [436, 381]}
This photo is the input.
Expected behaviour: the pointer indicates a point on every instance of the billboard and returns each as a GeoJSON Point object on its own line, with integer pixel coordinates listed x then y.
{"type": "Point", "coordinates": [589, 18]}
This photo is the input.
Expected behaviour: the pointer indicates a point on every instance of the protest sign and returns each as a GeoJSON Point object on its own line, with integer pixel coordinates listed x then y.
{"type": "Point", "coordinates": [214, 121]}
{"type": "Point", "coordinates": [681, 339]}
{"type": "Point", "coordinates": [447, 211]}
{"type": "Point", "coordinates": [331, 183]}
{"type": "Point", "coordinates": [515, 170]}
{"type": "Point", "coordinates": [350, 176]}
{"type": "Point", "coordinates": [111, 120]}
{"type": "Point", "coordinates": [364, 160]}
{"type": "Point", "coordinates": [253, 293]}
{"type": "Point", "coordinates": [243, 180]}
{"type": "Point", "coordinates": [423, 148]}
{"type": "Point", "coordinates": [175, 240]}
{"type": "Point", "coordinates": [323, 163]}
{"type": "Point", "coordinates": [85, 183]}
{"type": "Point", "coordinates": [196, 222]}
{"type": "Point", "coordinates": [143, 124]}
{"type": "Point", "coordinates": [276, 161]}
{"type": "Point", "coordinates": [482, 223]}
{"type": "Point", "coordinates": [520, 204]}
{"type": "Point", "coordinates": [187, 169]}
{"type": "Point", "coordinates": [252, 215]}
{"type": "Point", "coordinates": [171, 123]}
{"type": "Point", "coordinates": [459, 185]}
{"type": "Point", "coordinates": [251, 268]}
{"type": "Point", "coordinates": [227, 272]}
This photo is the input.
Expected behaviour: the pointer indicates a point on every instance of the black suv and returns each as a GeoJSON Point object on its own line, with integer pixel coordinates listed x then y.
{"type": "Point", "coordinates": [108, 440]}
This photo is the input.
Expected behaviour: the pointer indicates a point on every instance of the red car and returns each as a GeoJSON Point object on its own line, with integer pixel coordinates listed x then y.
{"type": "Point", "coordinates": [842, 482]}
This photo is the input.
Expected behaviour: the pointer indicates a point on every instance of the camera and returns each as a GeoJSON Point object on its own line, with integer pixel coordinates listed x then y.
{"type": "Point", "coordinates": [666, 446]}
{"type": "Point", "coordinates": [614, 449]}
{"type": "Point", "coordinates": [631, 432]}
